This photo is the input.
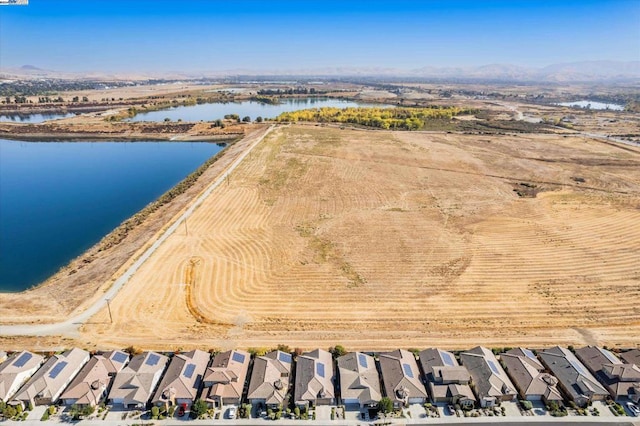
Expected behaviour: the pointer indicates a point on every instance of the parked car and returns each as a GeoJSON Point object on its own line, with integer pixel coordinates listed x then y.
{"type": "Point", "coordinates": [182, 409]}
{"type": "Point", "coordinates": [451, 409]}
{"type": "Point", "coordinates": [633, 408]}
{"type": "Point", "coordinates": [231, 412]}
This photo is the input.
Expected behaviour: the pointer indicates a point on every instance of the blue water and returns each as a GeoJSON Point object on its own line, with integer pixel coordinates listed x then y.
{"type": "Point", "coordinates": [34, 118]}
{"type": "Point", "coordinates": [214, 111]}
{"type": "Point", "coordinates": [57, 199]}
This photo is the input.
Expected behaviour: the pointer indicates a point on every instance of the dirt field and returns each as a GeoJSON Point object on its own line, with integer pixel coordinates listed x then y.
{"type": "Point", "coordinates": [380, 240]}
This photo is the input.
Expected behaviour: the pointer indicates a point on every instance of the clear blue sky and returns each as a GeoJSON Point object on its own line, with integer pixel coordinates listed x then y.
{"type": "Point", "coordinates": [198, 35]}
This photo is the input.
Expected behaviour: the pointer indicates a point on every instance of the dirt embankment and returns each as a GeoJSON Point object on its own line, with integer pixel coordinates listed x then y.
{"type": "Point", "coordinates": [86, 276]}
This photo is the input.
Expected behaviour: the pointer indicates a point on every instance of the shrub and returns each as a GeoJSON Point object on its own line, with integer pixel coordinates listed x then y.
{"type": "Point", "coordinates": [52, 410]}
{"type": "Point", "coordinates": [296, 412]}
{"type": "Point", "coordinates": [155, 412]}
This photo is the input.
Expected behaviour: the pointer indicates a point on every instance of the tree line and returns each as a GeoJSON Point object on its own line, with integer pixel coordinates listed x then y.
{"type": "Point", "coordinates": [381, 118]}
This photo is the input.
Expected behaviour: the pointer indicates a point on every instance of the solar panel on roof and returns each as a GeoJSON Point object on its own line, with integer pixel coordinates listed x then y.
{"type": "Point", "coordinates": [493, 367]}
{"type": "Point", "coordinates": [577, 366]}
{"type": "Point", "coordinates": [188, 372]}
{"type": "Point", "coordinates": [611, 357]}
{"type": "Point", "coordinates": [362, 360]}
{"type": "Point", "coordinates": [57, 369]}
{"type": "Point", "coordinates": [120, 357]}
{"type": "Point", "coordinates": [284, 357]}
{"type": "Point", "coordinates": [407, 370]}
{"type": "Point", "coordinates": [23, 359]}
{"type": "Point", "coordinates": [446, 358]}
{"type": "Point", "coordinates": [528, 353]}
{"type": "Point", "coordinates": [238, 357]}
{"type": "Point", "coordinates": [320, 369]}
{"type": "Point", "coordinates": [153, 359]}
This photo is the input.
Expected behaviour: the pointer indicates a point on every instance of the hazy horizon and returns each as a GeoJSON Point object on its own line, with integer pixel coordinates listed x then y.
{"type": "Point", "coordinates": [198, 36]}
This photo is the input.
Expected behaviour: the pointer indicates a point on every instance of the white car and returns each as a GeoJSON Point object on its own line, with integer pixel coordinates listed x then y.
{"type": "Point", "coordinates": [633, 408]}
{"type": "Point", "coordinates": [231, 412]}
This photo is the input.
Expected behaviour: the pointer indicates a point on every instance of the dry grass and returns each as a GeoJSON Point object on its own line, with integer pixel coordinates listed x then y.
{"type": "Point", "coordinates": [380, 239]}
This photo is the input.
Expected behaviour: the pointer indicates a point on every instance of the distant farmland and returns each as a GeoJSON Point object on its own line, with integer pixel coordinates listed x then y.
{"type": "Point", "coordinates": [379, 239]}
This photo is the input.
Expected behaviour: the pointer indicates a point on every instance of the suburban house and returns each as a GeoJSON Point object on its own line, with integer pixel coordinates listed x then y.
{"type": "Point", "coordinates": [270, 379]}
{"type": "Point", "coordinates": [447, 380]}
{"type": "Point", "coordinates": [15, 371]}
{"type": "Point", "coordinates": [631, 357]}
{"type": "Point", "coordinates": [225, 378]}
{"type": "Point", "coordinates": [314, 379]}
{"type": "Point", "coordinates": [574, 379]}
{"type": "Point", "coordinates": [489, 381]}
{"type": "Point", "coordinates": [47, 384]}
{"type": "Point", "coordinates": [89, 387]}
{"type": "Point", "coordinates": [182, 380]}
{"type": "Point", "coordinates": [401, 378]}
{"type": "Point", "coordinates": [529, 376]}
{"type": "Point", "coordinates": [359, 381]}
{"type": "Point", "coordinates": [620, 379]}
{"type": "Point", "coordinates": [134, 384]}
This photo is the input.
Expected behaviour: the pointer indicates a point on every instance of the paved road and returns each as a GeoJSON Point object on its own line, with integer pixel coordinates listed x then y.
{"type": "Point", "coordinates": [70, 326]}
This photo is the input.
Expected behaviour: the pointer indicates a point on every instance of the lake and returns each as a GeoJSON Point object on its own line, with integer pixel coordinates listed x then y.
{"type": "Point", "coordinates": [253, 109]}
{"type": "Point", "coordinates": [34, 118]}
{"type": "Point", "coordinates": [57, 199]}
{"type": "Point", "coordinates": [592, 105]}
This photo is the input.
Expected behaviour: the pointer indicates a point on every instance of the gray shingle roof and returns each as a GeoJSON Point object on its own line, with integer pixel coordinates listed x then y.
{"type": "Point", "coordinates": [314, 377]}
{"type": "Point", "coordinates": [270, 377]}
{"type": "Point", "coordinates": [617, 377]}
{"type": "Point", "coordinates": [359, 378]}
{"type": "Point", "coordinates": [489, 379]}
{"type": "Point", "coordinates": [135, 383]}
{"type": "Point", "coordinates": [576, 379]}
{"type": "Point", "coordinates": [183, 377]}
{"type": "Point", "coordinates": [401, 376]}
{"type": "Point", "coordinates": [528, 376]}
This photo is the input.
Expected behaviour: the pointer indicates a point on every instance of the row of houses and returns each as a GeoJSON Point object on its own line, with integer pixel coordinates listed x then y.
{"type": "Point", "coordinates": [472, 378]}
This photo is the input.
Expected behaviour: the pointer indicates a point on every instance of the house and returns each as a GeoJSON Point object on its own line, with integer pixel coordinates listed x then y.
{"type": "Point", "coordinates": [181, 382]}
{"type": "Point", "coordinates": [134, 384]}
{"type": "Point", "coordinates": [15, 371]}
{"type": "Point", "coordinates": [270, 379]}
{"type": "Point", "coordinates": [401, 378]}
{"type": "Point", "coordinates": [621, 380]}
{"type": "Point", "coordinates": [447, 380]}
{"type": "Point", "coordinates": [314, 379]}
{"type": "Point", "coordinates": [631, 357]}
{"type": "Point", "coordinates": [225, 378]}
{"type": "Point", "coordinates": [359, 381]}
{"type": "Point", "coordinates": [529, 376]}
{"type": "Point", "coordinates": [574, 379]}
{"type": "Point", "coordinates": [47, 384]}
{"type": "Point", "coordinates": [489, 381]}
{"type": "Point", "coordinates": [89, 387]}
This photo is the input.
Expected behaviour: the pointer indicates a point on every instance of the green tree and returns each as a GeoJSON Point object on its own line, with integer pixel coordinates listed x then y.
{"type": "Point", "coordinates": [246, 119]}
{"type": "Point", "coordinates": [258, 119]}
{"type": "Point", "coordinates": [337, 351]}
{"type": "Point", "coordinates": [198, 408]}
{"type": "Point", "coordinates": [385, 405]}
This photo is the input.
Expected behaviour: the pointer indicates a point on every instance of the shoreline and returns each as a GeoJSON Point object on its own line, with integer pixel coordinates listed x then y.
{"type": "Point", "coordinates": [93, 137]}
{"type": "Point", "coordinates": [114, 257]}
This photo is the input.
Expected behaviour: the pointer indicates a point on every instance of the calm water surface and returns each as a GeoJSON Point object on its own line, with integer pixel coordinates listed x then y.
{"type": "Point", "coordinates": [34, 118]}
{"type": "Point", "coordinates": [214, 111]}
{"type": "Point", "coordinates": [57, 199]}
{"type": "Point", "coordinates": [593, 105]}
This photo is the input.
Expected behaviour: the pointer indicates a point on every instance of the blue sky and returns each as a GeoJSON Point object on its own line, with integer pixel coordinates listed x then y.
{"type": "Point", "coordinates": [198, 35]}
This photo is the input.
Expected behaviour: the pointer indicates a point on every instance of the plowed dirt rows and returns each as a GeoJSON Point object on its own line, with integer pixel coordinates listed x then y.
{"type": "Point", "coordinates": [379, 240]}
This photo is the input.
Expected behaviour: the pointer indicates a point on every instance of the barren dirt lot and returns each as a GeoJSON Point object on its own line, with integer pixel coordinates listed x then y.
{"type": "Point", "coordinates": [380, 240]}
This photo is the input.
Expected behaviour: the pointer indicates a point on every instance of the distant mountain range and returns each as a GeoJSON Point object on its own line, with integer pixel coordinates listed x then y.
{"type": "Point", "coordinates": [587, 71]}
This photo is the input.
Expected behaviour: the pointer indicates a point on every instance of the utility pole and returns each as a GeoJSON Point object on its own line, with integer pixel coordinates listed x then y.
{"type": "Point", "coordinates": [109, 309]}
